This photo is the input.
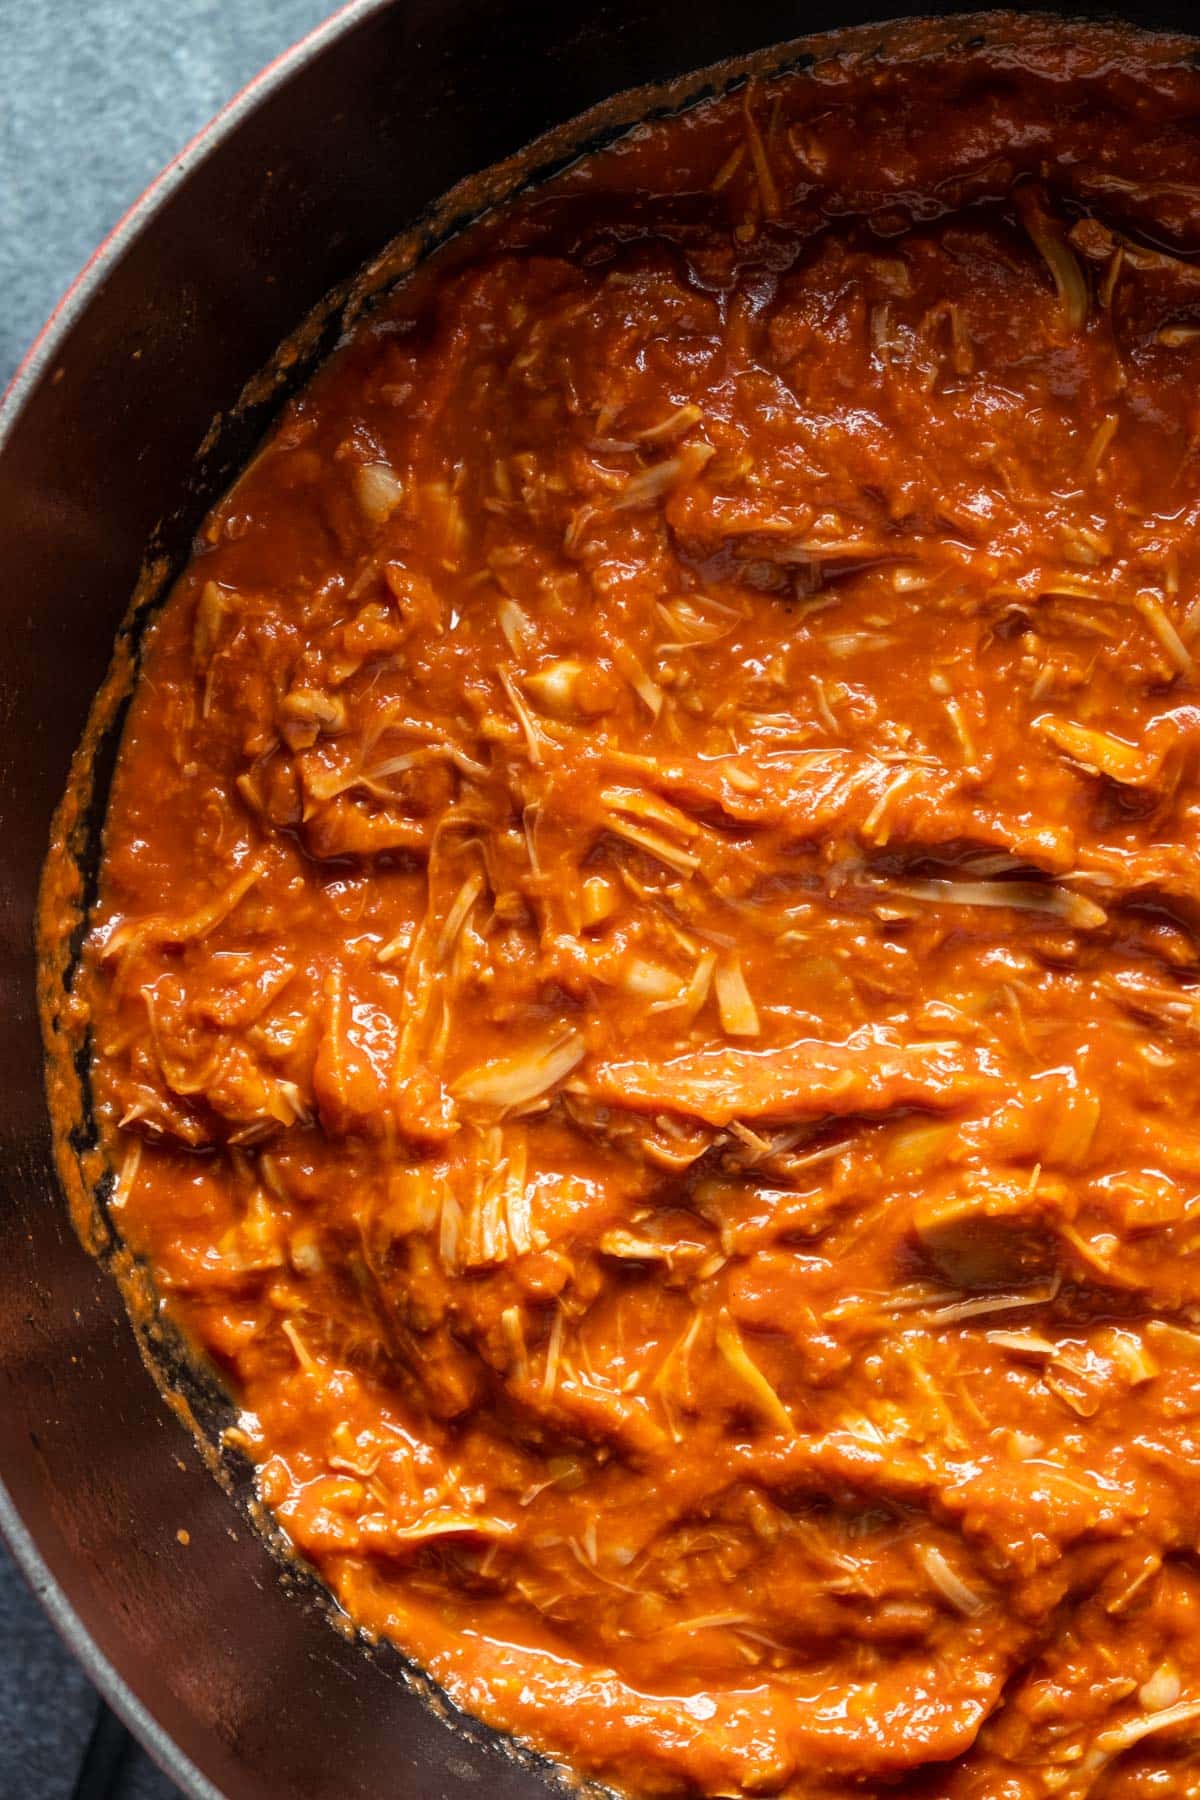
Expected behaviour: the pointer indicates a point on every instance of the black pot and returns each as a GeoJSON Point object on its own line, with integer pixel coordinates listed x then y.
{"type": "Point", "coordinates": [236, 1686]}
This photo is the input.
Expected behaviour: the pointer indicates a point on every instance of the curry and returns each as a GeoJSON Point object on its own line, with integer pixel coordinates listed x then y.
{"type": "Point", "coordinates": [643, 997]}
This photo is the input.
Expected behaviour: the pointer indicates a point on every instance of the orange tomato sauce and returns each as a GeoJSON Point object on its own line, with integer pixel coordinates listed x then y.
{"type": "Point", "coordinates": [644, 987]}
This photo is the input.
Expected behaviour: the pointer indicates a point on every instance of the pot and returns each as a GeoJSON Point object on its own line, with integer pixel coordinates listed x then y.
{"type": "Point", "coordinates": [172, 1602]}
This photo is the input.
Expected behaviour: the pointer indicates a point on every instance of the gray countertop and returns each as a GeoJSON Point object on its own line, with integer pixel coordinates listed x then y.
{"type": "Point", "coordinates": [95, 95]}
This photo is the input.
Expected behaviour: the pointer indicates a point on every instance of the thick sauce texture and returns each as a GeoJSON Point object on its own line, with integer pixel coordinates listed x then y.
{"type": "Point", "coordinates": [645, 984]}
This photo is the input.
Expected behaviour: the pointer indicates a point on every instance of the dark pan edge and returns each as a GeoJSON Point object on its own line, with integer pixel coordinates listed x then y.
{"type": "Point", "coordinates": [174, 1375]}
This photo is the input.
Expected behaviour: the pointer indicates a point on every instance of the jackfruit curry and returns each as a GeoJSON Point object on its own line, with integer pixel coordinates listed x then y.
{"type": "Point", "coordinates": [644, 993]}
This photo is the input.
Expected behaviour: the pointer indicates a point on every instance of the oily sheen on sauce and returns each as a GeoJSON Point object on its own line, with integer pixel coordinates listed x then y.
{"type": "Point", "coordinates": [644, 983]}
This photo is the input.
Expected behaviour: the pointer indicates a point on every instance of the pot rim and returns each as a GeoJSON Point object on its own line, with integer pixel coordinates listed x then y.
{"type": "Point", "coordinates": [133, 221]}
{"type": "Point", "coordinates": [34, 367]}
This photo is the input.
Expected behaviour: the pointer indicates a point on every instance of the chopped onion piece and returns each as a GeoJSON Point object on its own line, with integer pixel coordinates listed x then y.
{"type": "Point", "coordinates": [678, 422]}
{"type": "Point", "coordinates": [128, 1175]}
{"type": "Point", "coordinates": [729, 1343]}
{"type": "Point", "coordinates": [211, 608]}
{"type": "Point", "coordinates": [456, 918]}
{"type": "Point", "coordinates": [688, 624]}
{"type": "Point", "coordinates": [449, 1231]}
{"type": "Point", "coordinates": [303, 1354]}
{"type": "Point", "coordinates": [728, 169]}
{"type": "Point", "coordinates": [948, 1582]}
{"type": "Point", "coordinates": [1022, 896]}
{"type": "Point", "coordinates": [600, 900]}
{"type": "Point", "coordinates": [1097, 751]}
{"type": "Point", "coordinates": [768, 193]}
{"type": "Point", "coordinates": [739, 1016]}
{"type": "Point", "coordinates": [1176, 1338]}
{"type": "Point", "coordinates": [379, 491]}
{"type": "Point", "coordinates": [313, 706]}
{"type": "Point", "coordinates": [553, 1355]}
{"type": "Point", "coordinates": [443, 1523]}
{"type": "Point", "coordinates": [650, 485]}
{"type": "Point", "coordinates": [1130, 1355]}
{"type": "Point", "coordinates": [557, 687]}
{"type": "Point", "coordinates": [1122, 1737]}
{"type": "Point", "coordinates": [1050, 240]}
{"type": "Point", "coordinates": [534, 737]}
{"type": "Point", "coordinates": [516, 626]}
{"type": "Point", "coordinates": [655, 845]}
{"type": "Point", "coordinates": [647, 980]}
{"type": "Point", "coordinates": [1177, 652]}
{"type": "Point", "coordinates": [1022, 1343]}
{"type": "Point", "coordinates": [514, 1338]}
{"type": "Point", "coordinates": [958, 1310]}
{"type": "Point", "coordinates": [646, 689]}
{"type": "Point", "coordinates": [637, 804]}
{"type": "Point", "coordinates": [693, 996]}
{"type": "Point", "coordinates": [1161, 1690]}
{"type": "Point", "coordinates": [626, 1246]}
{"type": "Point", "coordinates": [516, 1080]}
{"type": "Point", "coordinates": [1102, 437]}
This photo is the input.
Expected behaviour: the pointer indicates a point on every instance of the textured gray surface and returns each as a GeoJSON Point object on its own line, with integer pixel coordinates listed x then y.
{"type": "Point", "coordinates": [46, 1705]}
{"type": "Point", "coordinates": [95, 95]}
